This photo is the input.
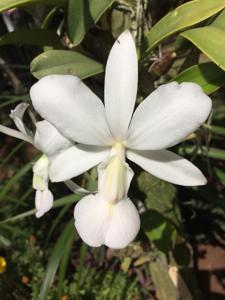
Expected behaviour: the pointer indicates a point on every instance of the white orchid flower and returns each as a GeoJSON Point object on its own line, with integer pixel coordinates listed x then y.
{"type": "Point", "coordinates": [49, 141]}
{"type": "Point", "coordinates": [110, 134]}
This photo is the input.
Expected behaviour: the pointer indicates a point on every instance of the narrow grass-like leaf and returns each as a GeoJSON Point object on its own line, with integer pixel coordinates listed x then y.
{"type": "Point", "coordinates": [211, 152]}
{"type": "Point", "coordinates": [182, 17]}
{"type": "Point", "coordinates": [12, 153]}
{"type": "Point", "coordinates": [64, 264]}
{"type": "Point", "coordinates": [15, 179]}
{"type": "Point", "coordinates": [56, 220]}
{"type": "Point", "coordinates": [57, 203]}
{"type": "Point", "coordinates": [64, 62]}
{"type": "Point", "coordinates": [207, 75]}
{"type": "Point", "coordinates": [56, 256]}
{"type": "Point", "coordinates": [211, 41]}
{"type": "Point", "coordinates": [40, 37]}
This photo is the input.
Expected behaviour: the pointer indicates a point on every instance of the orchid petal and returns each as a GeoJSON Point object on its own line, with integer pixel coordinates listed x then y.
{"type": "Point", "coordinates": [17, 115]}
{"type": "Point", "coordinates": [75, 188]}
{"type": "Point", "coordinates": [121, 84]}
{"type": "Point", "coordinates": [41, 173]}
{"type": "Point", "coordinates": [168, 166]}
{"type": "Point", "coordinates": [75, 161]}
{"type": "Point", "coordinates": [98, 222]}
{"type": "Point", "coordinates": [49, 140]}
{"type": "Point", "coordinates": [167, 116]}
{"type": "Point", "coordinates": [43, 202]}
{"type": "Point", "coordinates": [67, 103]}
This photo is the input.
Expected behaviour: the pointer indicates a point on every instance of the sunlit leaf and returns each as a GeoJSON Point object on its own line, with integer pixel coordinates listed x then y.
{"type": "Point", "coordinates": [207, 75]}
{"type": "Point", "coordinates": [211, 41]}
{"type": "Point", "coordinates": [159, 230]}
{"type": "Point", "coordinates": [38, 37]}
{"type": "Point", "coordinates": [8, 4]}
{"type": "Point", "coordinates": [182, 17]}
{"type": "Point", "coordinates": [64, 62]}
{"type": "Point", "coordinates": [220, 20]}
{"type": "Point", "coordinates": [82, 14]}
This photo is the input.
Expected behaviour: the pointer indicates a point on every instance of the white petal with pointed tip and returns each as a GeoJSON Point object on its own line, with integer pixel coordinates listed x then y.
{"type": "Point", "coordinates": [100, 223]}
{"type": "Point", "coordinates": [121, 78]}
{"type": "Point", "coordinates": [67, 103]}
{"type": "Point", "coordinates": [75, 161]}
{"type": "Point", "coordinates": [168, 115]}
{"type": "Point", "coordinates": [49, 140]}
{"type": "Point", "coordinates": [17, 115]}
{"type": "Point", "coordinates": [43, 202]}
{"type": "Point", "coordinates": [168, 166]}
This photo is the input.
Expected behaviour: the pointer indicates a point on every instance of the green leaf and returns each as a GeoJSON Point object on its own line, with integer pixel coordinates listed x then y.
{"type": "Point", "coordinates": [159, 230]}
{"type": "Point", "coordinates": [207, 75]}
{"type": "Point", "coordinates": [211, 41]}
{"type": "Point", "coordinates": [8, 186]}
{"type": "Point", "coordinates": [8, 4]}
{"type": "Point", "coordinates": [38, 37]}
{"type": "Point", "coordinates": [203, 151]}
{"type": "Point", "coordinates": [160, 196]}
{"type": "Point", "coordinates": [220, 174]}
{"type": "Point", "coordinates": [82, 14]}
{"type": "Point", "coordinates": [64, 62]}
{"type": "Point", "coordinates": [57, 203]}
{"type": "Point", "coordinates": [56, 257]}
{"type": "Point", "coordinates": [64, 264]}
{"type": "Point", "coordinates": [219, 21]}
{"type": "Point", "coordinates": [182, 17]}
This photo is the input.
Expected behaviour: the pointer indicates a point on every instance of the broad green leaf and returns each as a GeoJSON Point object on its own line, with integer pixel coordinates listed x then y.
{"type": "Point", "coordinates": [160, 196]}
{"type": "Point", "coordinates": [82, 14]}
{"type": "Point", "coordinates": [207, 75]}
{"type": "Point", "coordinates": [182, 17]}
{"type": "Point", "coordinates": [159, 230]}
{"type": "Point", "coordinates": [211, 41]}
{"type": "Point", "coordinates": [38, 37]}
{"type": "Point", "coordinates": [8, 4]}
{"type": "Point", "coordinates": [64, 62]}
{"type": "Point", "coordinates": [220, 20]}
{"type": "Point", "coordinates": [67, 234]}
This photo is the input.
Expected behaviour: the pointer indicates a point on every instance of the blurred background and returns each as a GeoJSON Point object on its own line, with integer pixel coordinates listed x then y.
{"type": "Point", "coordinates": [179, 252]}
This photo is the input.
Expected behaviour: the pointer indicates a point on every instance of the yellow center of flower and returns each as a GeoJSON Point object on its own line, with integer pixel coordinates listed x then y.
{"type": "Point", "coordinates": [113, 185]}
{"type": "Point", "coordinates": [2, 264]}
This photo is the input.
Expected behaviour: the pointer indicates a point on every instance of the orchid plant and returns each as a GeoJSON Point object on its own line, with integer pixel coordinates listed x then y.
{"type": "Point", "coordinates": [95, 134]}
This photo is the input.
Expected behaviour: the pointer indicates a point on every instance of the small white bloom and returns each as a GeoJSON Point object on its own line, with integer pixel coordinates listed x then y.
{"type": "Point", "coordinates": [110, 134]}
{"type": "Point", "coordinates": [49, 141]}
